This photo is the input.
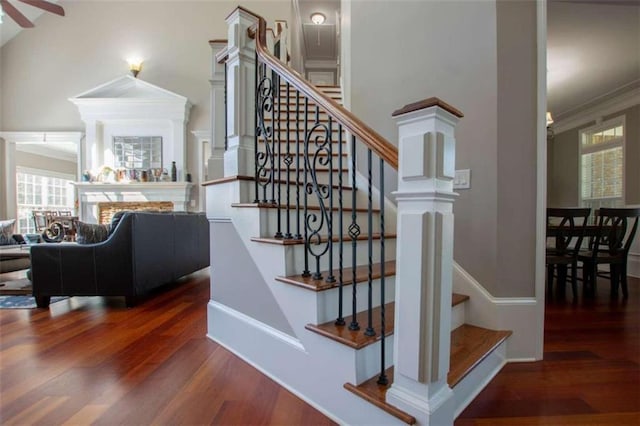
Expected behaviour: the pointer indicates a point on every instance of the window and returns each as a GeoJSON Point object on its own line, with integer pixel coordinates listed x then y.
{"type": "Point", "coordinates": [40, 190]}
{"type": "Point", "coordinates": [137, 152]}
{"type": "Point", "coordinates": [602, 165]}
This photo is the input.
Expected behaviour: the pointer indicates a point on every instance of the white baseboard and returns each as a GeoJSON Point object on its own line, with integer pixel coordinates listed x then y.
{"type": "Point", "coordinates": [518, 314]}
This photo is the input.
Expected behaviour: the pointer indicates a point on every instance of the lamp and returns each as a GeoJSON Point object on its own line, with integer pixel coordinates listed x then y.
{"type": "Point", "coordinates": [318, 18]}
{"type": "Point", "coordinates": [135, 65]}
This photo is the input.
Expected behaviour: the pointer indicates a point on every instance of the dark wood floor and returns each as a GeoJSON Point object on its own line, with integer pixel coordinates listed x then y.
{"type": "Point", "coordinates": [590, 374]}
{"type": "Point", "coordinates": [91, 360]}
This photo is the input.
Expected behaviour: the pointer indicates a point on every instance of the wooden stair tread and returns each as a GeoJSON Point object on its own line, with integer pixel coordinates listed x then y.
{"type": "Point", "coordinates": [362, 275]}
{"type": "Point", "coordinates": [292, 207]}
{"type": "Point", "coordinates": [375, 393]}
{"type": "Point", "coordinates": [356, 338]}
{"type": "Point", "coordinates": [457, 299]}
{"type": "Point", "coordinates": [469, 346]}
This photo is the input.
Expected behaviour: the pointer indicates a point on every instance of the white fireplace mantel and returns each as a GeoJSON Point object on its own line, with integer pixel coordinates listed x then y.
{"type": "Point", "coordinates": [90, 194]}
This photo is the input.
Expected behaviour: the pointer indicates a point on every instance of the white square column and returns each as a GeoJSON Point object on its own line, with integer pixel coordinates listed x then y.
{"type": "Point", "coordinates": [239, 159]}
{"type": "Point", "coordinates": [423, 289]}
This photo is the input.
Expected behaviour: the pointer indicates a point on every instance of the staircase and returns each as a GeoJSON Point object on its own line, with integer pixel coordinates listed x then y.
{"type": "Point", "coordinates": [314, 243]}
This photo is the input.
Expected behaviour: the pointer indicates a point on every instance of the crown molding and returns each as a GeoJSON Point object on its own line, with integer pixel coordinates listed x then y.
{"type": "Point", "coordinates": [598, 108]}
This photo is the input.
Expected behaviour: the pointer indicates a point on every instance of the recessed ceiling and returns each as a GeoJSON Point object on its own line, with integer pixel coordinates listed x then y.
{"type": "Point", "coordinates": [593, 50]}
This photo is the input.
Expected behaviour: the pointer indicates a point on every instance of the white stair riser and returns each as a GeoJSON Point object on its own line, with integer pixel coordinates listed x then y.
{"type": "Point", "coordinates": [458, 315]}
{"type": "Point", "coordinates": [328, 300]}
{"type": "Point", "coordinates": [295, 256]}
{"type": "Point", "coordinates": [269, 221]}
{"type": "Point", "coordinates": [297, 192]}
{"type": "Point", "coordinates": [368, 359]}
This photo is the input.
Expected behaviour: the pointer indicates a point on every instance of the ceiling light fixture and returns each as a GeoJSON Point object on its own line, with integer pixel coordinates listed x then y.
{"type": "Point", "coordinates": [318, 18]}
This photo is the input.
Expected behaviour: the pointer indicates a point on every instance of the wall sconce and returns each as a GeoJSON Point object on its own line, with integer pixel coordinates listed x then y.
{"type": "Point", "coordinates": [549, 118]}
{"type": "Point", "coordinates": [318, 18]}
{"type": "Point", "coordinates": [135, 65]}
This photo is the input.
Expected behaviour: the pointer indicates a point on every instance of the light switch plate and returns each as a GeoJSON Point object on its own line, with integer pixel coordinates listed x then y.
{"type": "Point", "coordinates": [462, 180]}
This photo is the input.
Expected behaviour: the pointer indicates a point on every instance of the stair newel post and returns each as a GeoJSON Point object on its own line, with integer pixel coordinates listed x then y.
{"type": "Point", "coordinates": [215, 162]}
{"type": "Point", "coordinates": [423, 288]}
{"type": "Point", "coordinates": [240, 156]}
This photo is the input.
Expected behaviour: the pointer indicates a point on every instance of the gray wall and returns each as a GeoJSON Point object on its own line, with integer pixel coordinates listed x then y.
{"type": "Point", "coordinates": [563, 155]}
{"type": "Point", "coordinates": [517, 167]}
{"type": "Point", "coordinates": [238, 283]}
{"type": "Point", "coordinates": [472, 56]}
{"type": "Point", "coordinates": [3, 184]}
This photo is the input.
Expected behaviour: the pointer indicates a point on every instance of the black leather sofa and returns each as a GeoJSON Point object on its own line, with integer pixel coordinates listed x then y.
{"type": "Point", "coordinates": [144, 251]}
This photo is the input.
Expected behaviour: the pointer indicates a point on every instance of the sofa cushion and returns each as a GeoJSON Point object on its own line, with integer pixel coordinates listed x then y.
{"type": "Point", "coordinates": [115, 219]}
{"type": "Point", "coordinates": [6, 232]}
{"type": "Point", "coordinates": [91, 233]}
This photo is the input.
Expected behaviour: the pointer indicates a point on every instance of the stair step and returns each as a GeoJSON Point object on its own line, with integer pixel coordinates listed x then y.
{"type": "Point", "coordinates": [469, 346]}
{"type": "Point", "coordinates": [356, 338]}
{"type": "Point", "coordinates": [375, 393]}
{"type": "Point", "coordinates": [457, 299]}
{"type": "Point", "coordinates": [362, 275]}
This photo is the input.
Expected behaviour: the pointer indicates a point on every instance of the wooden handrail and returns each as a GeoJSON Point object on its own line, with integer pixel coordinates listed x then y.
{"type": "Point", "coordinates": [372, 139]}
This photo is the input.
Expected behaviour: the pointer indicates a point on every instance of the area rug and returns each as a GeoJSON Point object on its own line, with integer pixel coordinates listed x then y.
{"type": "Point", "coordinates": [17, 287]}
{"type": "Point", "coordinates": [24, 302]}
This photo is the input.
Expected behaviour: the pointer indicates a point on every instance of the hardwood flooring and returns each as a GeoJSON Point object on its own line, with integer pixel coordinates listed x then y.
{"type": "Point", "coordinates": [91, 360]}
{"type": "Point", "coordinates": [590, 374]}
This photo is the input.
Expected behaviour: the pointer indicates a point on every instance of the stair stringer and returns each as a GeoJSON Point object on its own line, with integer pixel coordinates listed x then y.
{"type": "Point", "coordinates": [311, 366]}
{"type": "Point", "coordinates": [518, 314]}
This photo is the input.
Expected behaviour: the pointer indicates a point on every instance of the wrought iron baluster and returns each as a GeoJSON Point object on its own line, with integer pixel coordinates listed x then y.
{"type": "Point", "coordinates": [278, 201]}
{"type": "Point", "coordinates": [226, 130]}
{"type": "Point", "coordinates": [317, 275]}
{"type": "Point", "coordinates": [306, 271]}
{"type": "Point", "coordinates": [331, 278]}
{"type": "Point", "coordinates": [263, 157]}
{"type": "Point", "coordinates": [273, 141]}
{"type": "Point", "coordinates": [298, 235]}
{"type": "Point", "coordinates": [382, 378]}
{"type": "Point", "coordinates": [257, 123]}
{"type": "Point", "coordinates": [369, 331]}
{"type": "Point", "coordinates": [287, 161]}
{"type": "Point", "coordinates": [354, 232]}
{"type": "Point", "coordinates": [340, 319]}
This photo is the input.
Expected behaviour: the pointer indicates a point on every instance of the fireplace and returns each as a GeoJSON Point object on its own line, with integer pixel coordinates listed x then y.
{"type": "Point", "coordinates": [95, 197]}
{"type": "Point", "coordinates": [107, 210]}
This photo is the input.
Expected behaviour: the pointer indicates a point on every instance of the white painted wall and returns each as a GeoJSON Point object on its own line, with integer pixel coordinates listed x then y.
{"type": "Point", "coordinates": [39, 162]}
{"type": "Point", "coordinates": [61, 57]}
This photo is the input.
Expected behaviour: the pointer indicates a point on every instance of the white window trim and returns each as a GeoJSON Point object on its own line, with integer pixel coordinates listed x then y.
{"type": "Point", "coordinates": [613, 122]}
{"type": "Point", "coordinates": [52, 174]}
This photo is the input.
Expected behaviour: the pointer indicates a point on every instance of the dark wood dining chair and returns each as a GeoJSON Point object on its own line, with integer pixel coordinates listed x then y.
{"type": "Point", "coordinates": [565, 229]}
{"type": "Point", "coordinates": [610, 245]}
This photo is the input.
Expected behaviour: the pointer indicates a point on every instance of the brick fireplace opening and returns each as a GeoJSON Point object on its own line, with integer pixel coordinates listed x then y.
{"type": "Point", "coordinates": [107, 210]}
